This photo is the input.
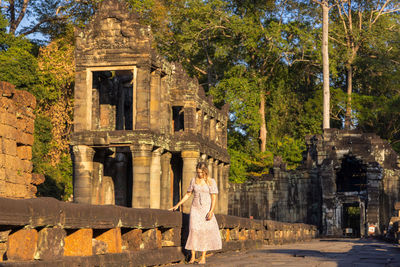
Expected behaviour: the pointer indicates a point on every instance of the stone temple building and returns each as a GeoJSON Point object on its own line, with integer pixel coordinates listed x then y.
{"type": "Point", "coordinates": [141, 124]}
{"type": "Point", "coordinates": [348, 180]}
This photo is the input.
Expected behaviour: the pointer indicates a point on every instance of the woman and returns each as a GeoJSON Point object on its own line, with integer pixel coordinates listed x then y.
{"type": "Point", "coordinates": [203, 227]}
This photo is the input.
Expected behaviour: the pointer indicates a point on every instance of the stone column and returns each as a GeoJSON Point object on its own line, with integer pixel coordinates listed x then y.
{"type": "Point", "coordinates": [216, 178]}
{"type": "Point", "coordinates": [155, 100]}
{"type": "Point", "coordinates": [120, 179]}
{"type": "Point", "coordinates": [210, 167]}
{"type": "Point", "coordinates": [155, 178]}
{"type": "Point", "coordinates": [141, 160]}
{"type": "Point", "coordinates": [83, 166]}
{"type": "Point", "coordinates": [190, 159]}
{"type": "Point", "coordinates": [166, 197]}
{"type": "Point", "coordinates": [212, 129]}
{"type": "Point", "coordinates": [374, 188]}
{"type": "Point", "coordinates": [225, 195]}
{"type": "Point", "coordinates": [142, 101]}
{"type": "Point", "coordinates": [221, 188]}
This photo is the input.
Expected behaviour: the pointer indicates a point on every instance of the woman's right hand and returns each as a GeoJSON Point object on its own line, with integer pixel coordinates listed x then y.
{"type": "Point", "coordinates": [174, 208]}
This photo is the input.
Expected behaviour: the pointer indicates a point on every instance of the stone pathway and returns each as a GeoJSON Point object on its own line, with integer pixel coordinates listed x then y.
{"type": "Point", "coordinates": [320, 252]}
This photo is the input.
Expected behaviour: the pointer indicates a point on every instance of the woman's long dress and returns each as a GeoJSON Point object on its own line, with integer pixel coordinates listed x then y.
{"type": "Point", "coordinates": [203, 235]}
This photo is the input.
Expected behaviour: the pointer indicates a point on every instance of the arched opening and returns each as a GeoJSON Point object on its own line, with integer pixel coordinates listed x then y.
{"type": "Point", "coordinates": [352, 176]}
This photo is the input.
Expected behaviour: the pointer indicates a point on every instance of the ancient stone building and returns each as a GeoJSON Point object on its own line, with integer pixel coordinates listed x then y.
{"type": "Point", "coordinates": [16, 140]}
{"type": "Point", "coordinates": [141, 124]}
{"type": "Point", "coordinates": [348, 180]}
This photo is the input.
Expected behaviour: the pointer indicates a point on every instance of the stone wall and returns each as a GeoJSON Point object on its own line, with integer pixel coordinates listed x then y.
{"type": "Point", "coordinates": [47, 232]}
{"type": "Point", "coordinates": [286, 196]}
{"type": "Point", "coordinates": [342, 170]}
{"type": "Point", "coordinates": [16, 140]}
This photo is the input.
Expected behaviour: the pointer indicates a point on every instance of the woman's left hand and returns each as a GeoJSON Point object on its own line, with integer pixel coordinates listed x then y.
{"type": "Point", "coordinates": [209, 215]}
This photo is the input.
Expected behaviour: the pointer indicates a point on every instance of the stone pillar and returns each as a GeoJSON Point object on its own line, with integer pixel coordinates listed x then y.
{"type": "Point", "coordinates": [210, 167]}
{"type": "Point", "coordinates": [82, 100]}
{"type": "Point", "coordinates": [121, 179]}
{"type": "Point", "coordinates": [374, 188]}
{"type": "Point", "coordinates": [212, 129]}
{"type": "Point", "coordinates": [225, 193]}
{"type": "Point", "coordinates": [166, 197]}
{"type": "Point", "coordinates": [199, 121]}
{"type": "Point", "coordinates": [220, 183]}
{"type": "Point", "coordinates": [142, 101]}
{"type": "Point", "coordinates": [155, 100]}
{"type": "Point", "coordinates": [155, 178]}
{"type": "Point", "coordinates": [216, 178]}
{"type": "Point", "coordinates": [190, 159]}
{"type": "Point", "coordinates": [141, 160]}
{"type": "Point", "coordinates": [83, 166]}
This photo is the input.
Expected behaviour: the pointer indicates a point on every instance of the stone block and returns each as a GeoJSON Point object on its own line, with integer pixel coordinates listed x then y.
{"type": "Point", "coordinates": [8, 118]}
{"type": "Point", "coordinates": [9, 146]}
{"type": "Point", "coordinates": [79, 243]}
{"type": "Point", "coordinates": [99, 247]}
{"type": "Point", "coordinates": [225, 234]}
{"type": "Point", "coordinates": [131, 240]}
{"type": "Point", "coordinates": [3, 250]}
{"type": "Point", "coordinates": [2, 160]}
{"type": "Point", "coordinates": [243, 234]}
{"type": "Point", "coordinates": [50, 244]}
{"type": "Point", "coordinates": [22, 245]}
{"type": "Point", "coordinates": [12, 162]}
{"type": "Point", "coordinates": [171, 237]}
{"type": "Point", "coordinates": [37, 178]}
{"type": "Point", "coordinates": [8, 131]}
{"type": "Point", "coordinates": [24, 152]}
{"type": "Point", "coordinates": [25, 139]}
{"type": "Point", "coordinates": [113, 240]}
{"type": "Point", "coordinates": [26, 165]}
{"type": "Point", "coordinates": [15, 190]}
{"type": "Point", "coordinates": [25, 99]}
{"type": "Point", "coordinates": [14, 176]}
{"type": "Point", "coordinates": [234, 234]}
{"type": "Point", "coordinates": [151, 239]}
{"type": "Point", "coordinates": [252, 234]}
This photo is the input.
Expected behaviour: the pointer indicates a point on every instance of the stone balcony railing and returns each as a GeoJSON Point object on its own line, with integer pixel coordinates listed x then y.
{"type": "Point", "coordinates": [47, 232]}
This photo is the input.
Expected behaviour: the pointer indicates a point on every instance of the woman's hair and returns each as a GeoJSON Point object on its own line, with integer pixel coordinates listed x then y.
{"type": "Point", "coordinates": [203, 167]}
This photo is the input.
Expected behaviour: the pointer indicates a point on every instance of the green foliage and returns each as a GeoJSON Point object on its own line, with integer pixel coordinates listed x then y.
{"type": "Point", "coordinates": [58, 182]}
{"type": "Point", "coordinates": [17, 63]}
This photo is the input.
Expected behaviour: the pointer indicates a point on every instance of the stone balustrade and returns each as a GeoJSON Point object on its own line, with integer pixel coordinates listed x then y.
{"type": "Point", "coordinates": [47, 232]}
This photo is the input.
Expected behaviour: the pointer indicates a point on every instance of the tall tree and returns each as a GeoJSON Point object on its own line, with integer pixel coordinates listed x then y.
{"type": "Point", "coordinates": [325, 61]}
{"type": "Point", "coordinates": [353, 21]}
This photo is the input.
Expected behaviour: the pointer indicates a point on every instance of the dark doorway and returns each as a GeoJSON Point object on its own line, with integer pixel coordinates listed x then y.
{"type": "Point", "coordinates": [352, 176]}
{"type": "Point", "coordinates": [177, 167]}
{"type": "Point", "coordinates": [351, 219]}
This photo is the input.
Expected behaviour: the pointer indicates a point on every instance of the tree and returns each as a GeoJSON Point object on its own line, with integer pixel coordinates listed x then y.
{"type": "Point", "coordinates": [325, 61]}
{"type": "Point", "coordinates": [353, 22]}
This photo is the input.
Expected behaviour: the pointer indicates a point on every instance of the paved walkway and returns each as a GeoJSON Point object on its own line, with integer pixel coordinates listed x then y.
{"type": "Point", "coordinates": [320, 252]}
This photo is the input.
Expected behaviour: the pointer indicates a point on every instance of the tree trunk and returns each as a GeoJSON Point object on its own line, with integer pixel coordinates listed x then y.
{"type": "Point", "coordinates": [263, 126]}
{"type": "Point", "coordinates": [347, 120]}
{"type": "Point", "coordinates": [325, 64]}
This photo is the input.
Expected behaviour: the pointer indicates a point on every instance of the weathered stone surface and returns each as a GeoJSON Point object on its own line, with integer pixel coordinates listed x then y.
{"type": "Point", "coordinates": [131, 240]}
{"type": "Point", "coordinates": [22, 244]}
{"type": "Point", "coordinates": [171, 237]}
{"type": "Point", "coordinates": [50, 244]}
{"type": "Point", "coordinates": [151, 239]}
{"type": "Point", "coordinates": [99, 247]}
{"type": "Point", "coordinates": [113, 240]}
{"type": "Point", "coordinates": [79, 243]}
